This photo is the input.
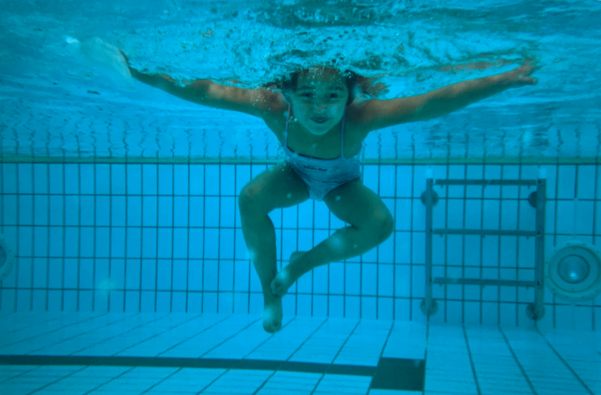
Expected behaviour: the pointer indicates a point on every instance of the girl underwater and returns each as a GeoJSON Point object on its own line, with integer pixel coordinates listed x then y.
{"type": "Point", "coordinates": [315, 115]}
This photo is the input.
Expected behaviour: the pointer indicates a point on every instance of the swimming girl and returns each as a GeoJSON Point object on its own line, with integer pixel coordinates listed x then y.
{"type": "Point", "coordinates": [321, 126]}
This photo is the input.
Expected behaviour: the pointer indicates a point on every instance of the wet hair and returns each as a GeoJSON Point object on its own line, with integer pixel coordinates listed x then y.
{"type": "Point", "coordinates": [356, 84]}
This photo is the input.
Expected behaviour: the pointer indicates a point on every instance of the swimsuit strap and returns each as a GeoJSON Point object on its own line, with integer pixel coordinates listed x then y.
{"type": "Point", "coordinates": [286, 128]}
{"type": "Point", "coordinates": [342, 129]}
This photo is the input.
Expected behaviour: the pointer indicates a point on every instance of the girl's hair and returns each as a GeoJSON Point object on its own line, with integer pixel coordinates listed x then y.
{"type": "Point", "coordinates": [355, 83]}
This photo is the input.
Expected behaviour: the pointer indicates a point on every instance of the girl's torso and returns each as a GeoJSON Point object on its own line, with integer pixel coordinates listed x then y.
{"type": "Point", "coordinates": [328, 146]}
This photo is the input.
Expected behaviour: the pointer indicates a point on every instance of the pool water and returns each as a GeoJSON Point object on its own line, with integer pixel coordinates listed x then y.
{"type": "Point", "coordinates": [119, 203]}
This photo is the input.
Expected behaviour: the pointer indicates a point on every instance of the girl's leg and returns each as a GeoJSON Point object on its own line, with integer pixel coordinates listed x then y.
{"type": "Point", "coordinates": [277, 187]}
{"type": "Point", "coordinates": [370, 224]}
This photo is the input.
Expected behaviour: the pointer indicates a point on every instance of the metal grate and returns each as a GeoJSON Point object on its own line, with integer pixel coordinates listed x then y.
{"type": "Point", "coordinates": [536, 199]}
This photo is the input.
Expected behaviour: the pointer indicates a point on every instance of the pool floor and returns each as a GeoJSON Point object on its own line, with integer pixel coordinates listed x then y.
{"type": "Point", "coordinates": [231, 354]}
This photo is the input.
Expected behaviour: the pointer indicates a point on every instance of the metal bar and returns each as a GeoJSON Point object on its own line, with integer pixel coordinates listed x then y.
{"type": "Point", "coordinates": [485, 232]}
{"type": "Point", "coordinates": [484, 282]}
{"type": "Point", "coordinates": [486, 182]}
{"type": "Point", "coordinates": [539, 249]}
{"type": "Point", "coordinates": [428, 253]}
{"type": "Point", "coordinates": [535, 310]}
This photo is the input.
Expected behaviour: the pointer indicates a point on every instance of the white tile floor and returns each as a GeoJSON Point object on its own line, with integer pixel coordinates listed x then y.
{"type": "Point", "coordinates": [459, 360]}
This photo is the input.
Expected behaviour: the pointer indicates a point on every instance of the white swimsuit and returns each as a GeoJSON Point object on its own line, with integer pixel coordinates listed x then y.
{"type": "Point", "coordinates": [323, 175]}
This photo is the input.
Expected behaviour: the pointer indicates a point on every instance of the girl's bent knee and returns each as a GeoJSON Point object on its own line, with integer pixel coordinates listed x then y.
{"type": "Point", "coordinates": [384, 225]}
{"type": "Point", "coordinates": [250, 201]}
{"type": "Point", "coordinates": [247, 199]}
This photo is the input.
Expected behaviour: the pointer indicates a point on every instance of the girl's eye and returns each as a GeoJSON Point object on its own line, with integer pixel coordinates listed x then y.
{"type": "Point", "coordinates": [307, 95]}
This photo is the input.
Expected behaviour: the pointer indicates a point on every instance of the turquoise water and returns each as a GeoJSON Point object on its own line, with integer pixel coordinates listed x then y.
{"type": "Point", "coordinates": [59, 82]}
{"type": "Point", "coordinates": [119, 204]}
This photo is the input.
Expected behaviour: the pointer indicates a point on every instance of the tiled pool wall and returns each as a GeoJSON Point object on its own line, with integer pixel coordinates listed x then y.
{"type": "Point", "coordinates": [166, 237]}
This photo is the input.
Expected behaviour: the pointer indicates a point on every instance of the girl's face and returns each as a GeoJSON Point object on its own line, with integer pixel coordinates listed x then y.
{"type": "Point", "coordinates": [319, 100]}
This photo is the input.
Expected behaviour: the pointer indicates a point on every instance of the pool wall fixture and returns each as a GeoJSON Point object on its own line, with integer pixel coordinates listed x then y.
{"type": "Point", "coordinates": [573, 272]}
{"type": "Point", "coordinates": [7, 258]}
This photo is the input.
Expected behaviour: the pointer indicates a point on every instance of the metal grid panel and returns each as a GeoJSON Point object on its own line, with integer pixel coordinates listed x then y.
{"type": "Point", "coordinates": [166, 237]}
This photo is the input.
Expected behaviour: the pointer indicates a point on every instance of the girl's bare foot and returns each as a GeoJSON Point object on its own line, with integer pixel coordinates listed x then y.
{"type": "Point", "coordinates": [272, 315]}
{"type": "Point", "coordinates": [285, 278]}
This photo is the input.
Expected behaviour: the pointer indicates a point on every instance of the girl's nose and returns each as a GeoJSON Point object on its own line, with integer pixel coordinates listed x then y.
{"type": "Point", "coordinates": [319, 106]}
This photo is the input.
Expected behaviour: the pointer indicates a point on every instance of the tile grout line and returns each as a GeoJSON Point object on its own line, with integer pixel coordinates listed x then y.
{"type": "Point", "coordinates": [224, 341]}
{"type": "Point", "coordinates": [390, 330]}
{"type": "Point", "coordinates": [73, 336]}
{"type": "Point", "coordinates": [85, 367]}
{"type": "Point", "coordinates": [225, 371]}
{"type": "Point", "coordinates": [58, 380]}
{"type": "Point", "coordinates": [335, 356]}
{"type": "Point", "coordinates": [426, 348]}
{"type": "Point", "coordinates": [17, 375]}
{"type": "Point", "coordinates": [517, 361]}
{"type": "Point", "coordinates": [216, 379]}
{"type": "Point", "coordinates": [77, 322]}
{"type": "Point", "coordinates": [198, 334]}
{"type": "Point", "coordinates": [125, 332]}
{"type": "Point", "coordinates": [266, 340]}
{"type": "Point", "coordinates": [161, 381]}
{"type": "Point", "coordinates": [163, 331]}
{"type": "Point", "coordinates": [315, 331]}
{"type": "Point", "coordinates": [127, 371]}
{"type": "Point", "coordinates": [565, 363]}
{"type": "Point", "coordinates": [262, 385]}
{"type": "Point", "coordinates": [469, 355]}
{"type": "Point", "coordinates": [97, 387]}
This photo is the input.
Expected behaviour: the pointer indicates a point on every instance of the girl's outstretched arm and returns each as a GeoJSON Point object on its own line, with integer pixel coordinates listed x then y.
{"type": "Point", "coordinates": [259, 102]}
{"type": "Point", "coordinates": [376, 114]}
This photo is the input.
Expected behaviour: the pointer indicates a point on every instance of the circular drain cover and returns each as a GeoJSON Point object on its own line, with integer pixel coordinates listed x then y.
{"type": "Point", "coordinates": [6, 259]}
{"type": "Point", "coordinates": [574, 272]}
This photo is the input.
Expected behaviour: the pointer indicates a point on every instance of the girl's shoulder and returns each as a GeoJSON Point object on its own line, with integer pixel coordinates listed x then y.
{"type": "Point", "coordinates": [276, 112]}
{"type": "Point", "coordinates": [273, 103]}
{"type": "Point", "coordinates": [356, 116]}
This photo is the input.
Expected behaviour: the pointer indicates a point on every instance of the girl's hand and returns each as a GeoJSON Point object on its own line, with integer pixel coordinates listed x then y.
{"type": "Point", "coordinates": [133, 72]}
{"type": "Point", "coordinates": [521, 75]}
{"type": "Point", "coordinates": [125, 58]}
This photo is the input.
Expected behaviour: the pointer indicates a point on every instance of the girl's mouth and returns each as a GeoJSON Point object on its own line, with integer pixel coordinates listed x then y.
{"type": "Point", "coordinates": [319, 120]}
